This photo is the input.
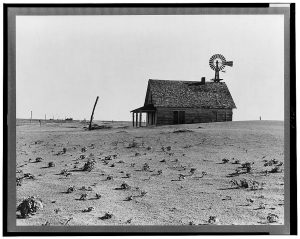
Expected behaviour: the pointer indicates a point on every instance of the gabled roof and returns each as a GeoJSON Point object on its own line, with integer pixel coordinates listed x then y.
{"type": "Point", "coordinates": [193, 94]}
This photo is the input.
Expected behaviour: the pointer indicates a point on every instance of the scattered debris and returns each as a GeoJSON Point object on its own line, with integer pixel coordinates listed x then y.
{"type": "Point", "coordinates": [83, 197]}
{"type": "Point", "coordinates": [162, 161]}
{"type": "Point", "coordinates": [137, 154]}
{"type": "Point", "coordinates": [71, 189]}
{"type": "Point", "coordinates": [124, 186]}
{"type": "Point", "coordinates": [168, 148]}
{"type": "Point", "coordinates": [213, 220]}
{"type": "Point", "coordinates": [82, 156]}
{"type": "Point", "coordinates": [272, 218]}
{"type": "Point", "coordinates": [145, 167]}
{"type": "Point", "coordinates": [86, 188]}
{"type": "Point", "coordinates": [38, 159]}
{"type": "Point", "coordinates": [129, 198]}
{"type": "Point", "coordinates": [109, 178]}
{"type": "Point", "coordinates": [51, 164]}
{"type": "Point", "coordinates": [192, 171]}
{"type": "Point", "coordinates": [83, 149]}
{"type": "Point", "coordinates": [244, 183]}
{"type": "Point", "coordinates": [276, 169]}
{"type": "Point", "coordinates": [89, 165]}
{"type": "Point", "coordinates": [236, 161]}
{"type": "Point", "coordinates": [98, 196]}
{"type": "Point", "coordinates": [133, 144]}
{"type": "Point", "coordinates": [106, 216]}
{"type": "Point", "coordinates": [29, 206]}
{"type": "Point", "coordinates": [89, 209]}
{"type": "Point", "coordinates": [57, 210]}
{"type": "Point", "coordinates": [226, 198]}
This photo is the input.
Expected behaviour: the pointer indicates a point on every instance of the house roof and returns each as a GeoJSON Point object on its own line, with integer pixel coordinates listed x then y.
{"type": "Point", "coordinates": [145, 108]}
{"type": "Point", "coordinates": [193, 94]}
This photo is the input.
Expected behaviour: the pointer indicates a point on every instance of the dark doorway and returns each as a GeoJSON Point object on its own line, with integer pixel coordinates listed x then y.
{"type": "Point", "coordinates": [175, 117]}
{"type": "Point", "coordinates": [181, 117]}
{"type": "Point", "coordinates": [178, 117]}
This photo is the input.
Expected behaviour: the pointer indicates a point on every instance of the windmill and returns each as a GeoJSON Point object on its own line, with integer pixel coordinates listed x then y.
{"type": "Point", "coordinates": [218, 62]}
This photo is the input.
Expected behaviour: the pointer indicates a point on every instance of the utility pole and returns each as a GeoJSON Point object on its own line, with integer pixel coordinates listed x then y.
{"type": "Point", "coordinates": [30, 116]}
{"type": "Point", "coordinates": [92, 116]}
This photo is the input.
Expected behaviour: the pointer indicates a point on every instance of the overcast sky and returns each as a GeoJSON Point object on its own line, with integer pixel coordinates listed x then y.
{"type": "Point", "coordinates": [64, 62]}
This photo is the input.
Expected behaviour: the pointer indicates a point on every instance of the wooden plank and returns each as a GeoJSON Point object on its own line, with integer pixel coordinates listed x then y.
{"type": "Point", "coordinates": [92, 116]}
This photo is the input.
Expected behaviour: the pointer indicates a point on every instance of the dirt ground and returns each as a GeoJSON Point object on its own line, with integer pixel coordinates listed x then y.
{"type": "Point", "coordinates": [208, 157]}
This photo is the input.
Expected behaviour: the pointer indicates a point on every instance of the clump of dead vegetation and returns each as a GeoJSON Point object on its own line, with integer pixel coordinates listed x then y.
{"type": "Point", "coordinates": [39, 159]}
{"type": "Point", "coordinates": [132, 144]}
{"type": "Point", "coordinates": [71, 189]}
{"type": "Point", "coordinates": [89, 165]}
{"type": "Point", "coordinates": [29, 206]}
{"type": "Point", "coordinates": [271, 218]}
{"type": "Point", "coordinates": [247, 184]}
{"type": "Point", "coordinates": [124, 186]}
{"type": "Point", "coordinates": [271, 162]}
{"type": "Point", "coordinates": [106, 216]}
{"type": "Point", "coordinates": [65, 172]}
{"type": "Point", "coordinates": [213, 220]}
{"type": "Point", "coordinates": [89, 209]}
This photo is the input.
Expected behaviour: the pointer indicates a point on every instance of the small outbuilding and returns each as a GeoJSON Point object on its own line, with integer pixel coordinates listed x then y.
{"type": "Point", "coordinates": [170, 102]}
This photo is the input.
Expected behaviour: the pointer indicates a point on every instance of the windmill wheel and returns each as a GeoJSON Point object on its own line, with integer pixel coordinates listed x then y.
{"type": "Point", "coordinates": [221, 62]}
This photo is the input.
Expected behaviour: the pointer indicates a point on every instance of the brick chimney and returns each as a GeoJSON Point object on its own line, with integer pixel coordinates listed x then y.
{"type": "Point", "coordinates": [202, 80]}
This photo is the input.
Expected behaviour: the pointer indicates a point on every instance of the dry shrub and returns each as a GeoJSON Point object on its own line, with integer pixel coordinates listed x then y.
{"type": "Point", "coordinates": [213, 220]}
{"type": "Point", "coordinates": [83, 197]}
{"type": "Point", "coordinates": [29, 206]}
{"type": "Point", "coordinates": [107, 215]}
{"type": "Point", "coordinates": [125, 186]}
{"type": "Point", "coordinates": [89, 209]}
{"type": "Point", "coordinates": [146, 167]}
{"type": "Point", "coordinates": [71, 189]}
{"type": "Point", "coordinates": [225, 160]}
{"type": "Point", "coordinates": [98, 196]}
{"type": "Point", "coordinates": [89, 165]}
{"type": "Point", "coordinates": [272, 218]}
{"type": "Point", "coordinates": [244, 183]}
{"type": "Point", "coordinates": [276, 169]}
{"type": "Point", "coordinates": [133, 144]}
{"type": "Point", "coordinates": [129, 198]}
{"type": "Point", "coordinates": [19, 181]}
{"type": "Point", "coordinates": [38, 159]}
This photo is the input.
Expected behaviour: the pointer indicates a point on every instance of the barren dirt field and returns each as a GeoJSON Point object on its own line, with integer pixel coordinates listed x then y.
{"type": "Point", "coordinates": [228, 173]}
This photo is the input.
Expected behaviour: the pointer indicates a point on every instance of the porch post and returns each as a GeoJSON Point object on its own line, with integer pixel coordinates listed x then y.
{"type": "Point", "coordinates": [133, 119]}
{"type": "Point", "coordinates": [136, 119]}
{"type": "Point", "coordinates": [140, 123]}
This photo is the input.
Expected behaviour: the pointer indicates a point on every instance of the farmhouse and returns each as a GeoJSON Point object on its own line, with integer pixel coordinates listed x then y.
{"type": "Point", "coordinates": [184, 102]}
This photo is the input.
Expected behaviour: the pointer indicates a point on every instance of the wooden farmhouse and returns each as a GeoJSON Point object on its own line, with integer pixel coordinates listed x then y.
{"type": "Point", "coordinates": [170, 102]}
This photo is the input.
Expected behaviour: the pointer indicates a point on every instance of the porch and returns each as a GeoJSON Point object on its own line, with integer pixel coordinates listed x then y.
{"type": "Point", "coordinates": [150, 112]}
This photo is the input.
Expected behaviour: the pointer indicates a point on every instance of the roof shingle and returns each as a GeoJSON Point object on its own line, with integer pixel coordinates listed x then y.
{"type": "Point", "coordinates": [191, 94]}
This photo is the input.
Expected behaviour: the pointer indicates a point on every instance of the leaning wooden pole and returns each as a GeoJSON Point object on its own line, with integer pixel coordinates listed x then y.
{"type": "Point", "coordinates": [92, 116]}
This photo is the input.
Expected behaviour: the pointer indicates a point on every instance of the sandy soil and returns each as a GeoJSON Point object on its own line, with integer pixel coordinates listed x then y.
{"type": "Point", "coordinates": [169, 199]}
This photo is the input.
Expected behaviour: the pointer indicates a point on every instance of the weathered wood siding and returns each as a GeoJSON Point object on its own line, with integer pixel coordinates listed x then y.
{"type": "Point", "coordinates": [193, 115]}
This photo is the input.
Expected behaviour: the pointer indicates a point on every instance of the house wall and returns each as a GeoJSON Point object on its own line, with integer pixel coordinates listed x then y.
{"type": "Point", "coordinates": [193, 115]}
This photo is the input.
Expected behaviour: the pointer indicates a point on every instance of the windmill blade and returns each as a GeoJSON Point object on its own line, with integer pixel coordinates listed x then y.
{"type": "Point", "coordinates": [228, 63]}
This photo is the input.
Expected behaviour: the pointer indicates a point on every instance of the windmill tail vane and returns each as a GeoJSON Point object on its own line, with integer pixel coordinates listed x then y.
{"type": "Point", "coordinates": [228, 63]}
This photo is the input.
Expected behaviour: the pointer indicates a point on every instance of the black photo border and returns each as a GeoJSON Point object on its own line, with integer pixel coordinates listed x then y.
{"type": "Point", "coordinates": [10, 11]}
